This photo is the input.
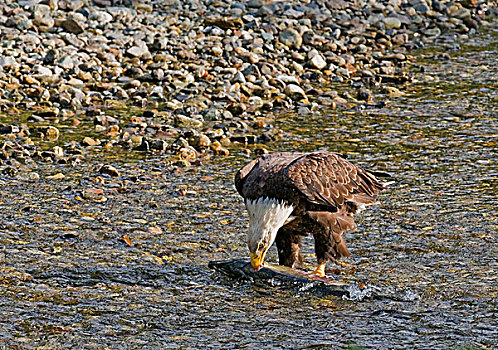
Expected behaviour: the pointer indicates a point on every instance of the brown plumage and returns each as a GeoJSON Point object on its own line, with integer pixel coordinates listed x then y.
{"type": "Point", "coordinates": [324, 190]}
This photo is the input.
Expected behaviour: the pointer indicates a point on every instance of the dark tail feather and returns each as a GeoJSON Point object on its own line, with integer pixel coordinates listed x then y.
{"type": "Point", "coordinates": [336, 224]}
{"type": "Point", "coordinates": [341, 247]}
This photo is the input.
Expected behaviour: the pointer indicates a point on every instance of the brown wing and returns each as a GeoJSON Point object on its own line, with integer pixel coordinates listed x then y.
{"type": "Point", "coordinates": [326, 178]}
{"type": "Point", "coordinates": [328, 234]}
{"type": "Point", "coordinates": [264, 176]}
{"type": "Point", "coordinates": [241, 175]}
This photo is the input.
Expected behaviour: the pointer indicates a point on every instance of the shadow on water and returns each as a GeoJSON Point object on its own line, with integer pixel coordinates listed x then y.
{"type": "Point", "coordinates": [131, 270]}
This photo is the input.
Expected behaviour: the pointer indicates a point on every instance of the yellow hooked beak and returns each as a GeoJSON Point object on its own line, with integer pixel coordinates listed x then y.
{"type": "Point", "coordinates": [257, 261]}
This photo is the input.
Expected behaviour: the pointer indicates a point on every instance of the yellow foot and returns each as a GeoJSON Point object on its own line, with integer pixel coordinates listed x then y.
{"type": "Point", "coordinates": [320, 270]}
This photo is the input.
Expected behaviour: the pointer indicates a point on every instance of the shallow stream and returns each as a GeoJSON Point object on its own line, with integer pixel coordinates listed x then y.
{"type": "Point", "coordinates": [128, 268]}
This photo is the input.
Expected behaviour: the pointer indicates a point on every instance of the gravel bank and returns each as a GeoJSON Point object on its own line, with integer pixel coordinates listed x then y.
{"type": "Point", "coordinates": [203, 74]}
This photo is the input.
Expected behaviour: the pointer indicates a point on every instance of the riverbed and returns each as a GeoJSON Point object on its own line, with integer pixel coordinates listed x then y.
{"type": "Point", "coordinates": [94, 261]}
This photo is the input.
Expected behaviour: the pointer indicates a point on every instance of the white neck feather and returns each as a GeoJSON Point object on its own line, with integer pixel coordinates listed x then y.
{"type": "Point", "coordinates": [266, 216]}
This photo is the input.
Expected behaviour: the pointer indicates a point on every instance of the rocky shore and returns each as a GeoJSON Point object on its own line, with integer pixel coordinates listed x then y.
{"type": "Point", "coordinates": [196, 77]}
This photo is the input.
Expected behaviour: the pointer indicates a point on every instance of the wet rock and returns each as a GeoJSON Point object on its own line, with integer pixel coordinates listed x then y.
{"type": "Point", "coordinates": [93, 194]}
{"type": "Point", "coordinates": [35, 118]}
{"type": "Point", "coordinates": [144, 145]}
{"type": "Point", "coordinates": [393, 92]}
{"type": "Point", "coordinates": [58, 176]}
{"type": "Point", "coordinates": [8, 129]}
{"type": "Point", "coordinates": [30, 176]}
{"type": "Point", "coordinates": [47, 113]}
{"type": "Point", "coordinates": [184, 121]}
{"type": "Point", "coordinates": [237, 108]}
{"type": "Point", "coordinates": [152, 144]}
{"type": "Point", "coordinates": [88, 141]}
{"type": "Point", "coordinates": [105, 120]}
{"type": "Point", "coordinates": [200, 141]}
{"type": "Point", "coordinates": [295, 92]}
{"type": "Point", "coordinates": [365, 95]}
{"type": "Point", "coordinates": [109, 170]}
{"type": "Point", "coordinates": [218, 149]}
{"type": "Point", "coordinates": [188, 153]}
{"type": "Point", "coordinates": [246, 139]}
{"type": "Point", "coordinates": [50, 133]}
{"type": "Point", "coordinates": [182, 163]}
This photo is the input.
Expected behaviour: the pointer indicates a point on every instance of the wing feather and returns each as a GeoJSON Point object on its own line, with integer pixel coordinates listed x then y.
{"type": "Point", "coordinates": [323, 178]}
{"type": "Point", "coordinates": [326, 178]}
{"type": "Point", "coordinates": [241, 176]}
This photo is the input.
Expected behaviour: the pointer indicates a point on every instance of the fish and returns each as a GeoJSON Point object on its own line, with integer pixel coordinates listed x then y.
{"type": "Point", "coordinates": [241, 269]}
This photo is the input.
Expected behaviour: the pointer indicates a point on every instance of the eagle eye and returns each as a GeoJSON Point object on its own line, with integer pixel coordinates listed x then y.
{"type": "Point", "coordinates": [260, 246]}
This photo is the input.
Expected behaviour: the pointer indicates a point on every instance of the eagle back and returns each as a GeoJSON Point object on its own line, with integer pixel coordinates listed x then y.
{"type": "Point", "coordinates": [264, 176]}
{"type": "Point", "coordinates": [326, 178]}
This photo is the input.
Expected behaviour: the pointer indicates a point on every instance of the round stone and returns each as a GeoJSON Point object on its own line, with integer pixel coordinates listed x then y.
{"type": "Point", "coordinates": [290, 37]}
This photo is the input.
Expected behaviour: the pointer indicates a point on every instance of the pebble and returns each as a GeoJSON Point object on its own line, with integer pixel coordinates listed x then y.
{"type": "Point", "coordinates": [393, 92]}
{"type": "Point", "coordinates": [290, 37]}
{"type": "Point", "coordinates": [42, 16]}
{"type": "Point", "coordinates": [109, 170]}
{"type": "Point", "coordinates": [88, 141]}
{"type": "Point", "coordinates": [295, 92]}
{"type": "Point", "coordinates": [58, 176]}
{"type": "Point", "coordinates": [318, 62]}
{"type": "Point", "coordinates": [432, 32]}
{"type": "Point", "coordinates": [7, 62]}
{"type": "Point", "coordinates": [392, 23]}
{"type": "Point", "coordinates": [50, 133]}
{"type": "Point", "coordinates": [72, 26]}
{"type": "Point", "coordinates": [210, 75]}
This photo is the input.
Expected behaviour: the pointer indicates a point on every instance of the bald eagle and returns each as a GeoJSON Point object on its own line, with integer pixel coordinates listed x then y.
{"type": "Point", "coordinates": [288, 195]}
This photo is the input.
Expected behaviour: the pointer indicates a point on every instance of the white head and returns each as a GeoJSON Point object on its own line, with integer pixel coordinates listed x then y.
{"type": "Point", "coordinates": [266, 216]}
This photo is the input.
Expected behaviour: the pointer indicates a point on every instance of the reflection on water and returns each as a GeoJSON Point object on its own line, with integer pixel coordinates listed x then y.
{"type": "Point", "coordinates": [69, 277]}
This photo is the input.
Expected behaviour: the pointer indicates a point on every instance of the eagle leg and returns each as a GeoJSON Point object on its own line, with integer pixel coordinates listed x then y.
{"type": "Point", "coordinates": [289, 247]}
{"type": "Point", "coordinates": [327, 229]}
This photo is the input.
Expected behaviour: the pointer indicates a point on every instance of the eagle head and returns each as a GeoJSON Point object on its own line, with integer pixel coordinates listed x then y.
{"type": "Point", "coordinates": [266, 216]}
{"type": "Point", "coordinates": [259, 242]}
